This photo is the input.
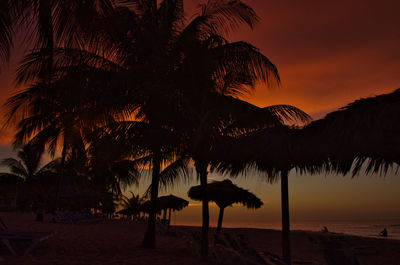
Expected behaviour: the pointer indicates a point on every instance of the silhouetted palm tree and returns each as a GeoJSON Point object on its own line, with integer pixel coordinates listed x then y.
{"type": "Point", "coordinates": [225, 193]}
{"type": "Point", "coordinates": [111, 166]}
{"type": "Point", "coordinates": [180, 79]}
{"type": "Point", "coordinates": [150, 144]}
{"type": "Point", "coordinates": [50, 113]}
{"type": "Point", "coordinates": [46, 24]}
{"type": "Point", "coordinates": [132, 205]}
{"type": "Point", "coordinates": [35, 184]}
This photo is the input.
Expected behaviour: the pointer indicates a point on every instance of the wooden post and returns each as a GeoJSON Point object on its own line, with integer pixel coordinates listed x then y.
{"type": "Point", "coordinates": [286, 253]}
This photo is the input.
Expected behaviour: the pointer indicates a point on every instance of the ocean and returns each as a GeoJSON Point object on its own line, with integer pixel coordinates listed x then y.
{"type": "Point", "coordinates": [356, 228]}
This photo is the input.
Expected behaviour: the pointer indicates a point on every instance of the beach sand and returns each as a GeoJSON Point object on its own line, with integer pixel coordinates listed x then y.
{"type": "Point", "coordinates": [118, 242]}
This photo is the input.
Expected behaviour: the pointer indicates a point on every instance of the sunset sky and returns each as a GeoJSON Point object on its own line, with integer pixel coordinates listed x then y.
{"type": "Point", "coordinates": [328, 54]}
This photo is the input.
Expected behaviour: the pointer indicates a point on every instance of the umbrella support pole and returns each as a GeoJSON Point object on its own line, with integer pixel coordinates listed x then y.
{"type": "Point", "coordinates": [286, 252]}
{"type": "Point", "coordinates": [169, 218]}
{"type": "Point", "coordinates": [220, 217]}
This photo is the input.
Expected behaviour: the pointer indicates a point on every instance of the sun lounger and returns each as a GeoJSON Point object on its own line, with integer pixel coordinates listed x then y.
{"type": "Point", "coordinates": [75, 218]}
{"type": "Point", "coordinates": [34, 238]}
{"type": "Point", "coordinates": [336, 250]}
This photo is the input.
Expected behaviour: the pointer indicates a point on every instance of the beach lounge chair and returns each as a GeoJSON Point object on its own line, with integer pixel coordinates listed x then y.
{"type": "Point", "coordinates": [67, 217]}
{"type": "Point", "coordinates": [33, 238]}
{"type": "Point", "coordinates": [7, 236]}
{"type": "Point", "coordinates": [336, 250]}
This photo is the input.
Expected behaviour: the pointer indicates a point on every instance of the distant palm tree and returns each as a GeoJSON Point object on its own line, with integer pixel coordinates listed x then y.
{"type": "Point", "coordinates": [132, 205]}
{"type": "Point", "coordinates": [35, 184]}
{"type": "Point", "coordinates": [225, 193]}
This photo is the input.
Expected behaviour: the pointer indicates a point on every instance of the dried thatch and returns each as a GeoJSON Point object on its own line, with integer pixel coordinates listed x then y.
{"type": "Point", "coordinates": [364, 131]}
{"type": "Point", "coordinates": [171, 202]}
{"type": "Point", "coordinates": [225, 193]}
{"type": "Point", "coordinates": [166, 202]}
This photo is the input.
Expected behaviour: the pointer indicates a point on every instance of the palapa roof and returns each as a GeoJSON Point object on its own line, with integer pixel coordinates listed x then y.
{"type": "Point", "coordinates": [166, 202]}
{"type": "Point", "coordinates": [225, 193]}
{"type": "Point", "coordinates": [366, 130]}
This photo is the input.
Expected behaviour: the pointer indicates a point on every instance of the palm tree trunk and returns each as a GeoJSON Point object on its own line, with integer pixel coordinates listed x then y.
{"type": "Point", "coordinates": [149, 240]}
{"type": "Point", "coordinates": [60, 176]}
{"type": "Point", "coordinates": [220, 217]}
{"type": "Point", "coordinates": [202, 170]}
{"type": "Point", "coordinates": [285, 217]}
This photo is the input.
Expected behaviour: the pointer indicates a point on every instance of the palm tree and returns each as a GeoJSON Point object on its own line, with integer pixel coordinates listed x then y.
{"type": "Point", "coordinates": [225, 193]}
{"type": "Point", "coordinates": [154, 49]}
{"type": "Point", "coordinates": [53, 112]}
{"type": "Point", "coordinates": [6, 31]}
{"type": "Point", "coordinates": [111, 166]}
{"type": "Point", "coordinates": [34, 183]}
{"type": "Point", "coordinates": [132, 205]}
{"type": "Point", "coordinates": [46, 24]}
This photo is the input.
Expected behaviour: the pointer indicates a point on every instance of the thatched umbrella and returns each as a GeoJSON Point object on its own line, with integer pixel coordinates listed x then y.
{"type": "Point", "coordinates": [225, 193]}
{"type": "Point", "coordinates": [169, 202]}
{"type": "Point", "coordinates": [366, 130]}
{"type": "Point", "coordinates": [275, 151]}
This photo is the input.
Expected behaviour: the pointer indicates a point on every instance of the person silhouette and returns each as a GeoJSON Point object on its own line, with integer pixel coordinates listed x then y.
{"type": "Point", "coordinates": [384, 232]}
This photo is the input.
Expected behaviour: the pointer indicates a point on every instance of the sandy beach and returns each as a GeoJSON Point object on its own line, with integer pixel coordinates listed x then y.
{"type": "Point", "coordinates": [118, 242]}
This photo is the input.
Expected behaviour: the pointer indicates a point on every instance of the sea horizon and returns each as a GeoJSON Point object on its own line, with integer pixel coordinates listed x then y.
{"type": "Point", "coordinates": [363, 228]}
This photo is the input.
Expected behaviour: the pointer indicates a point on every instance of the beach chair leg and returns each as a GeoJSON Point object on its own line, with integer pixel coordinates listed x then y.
{"type": "Point", "coordinates": [8, 245]}
{"type": "Point", "coordinates": [32, 246]}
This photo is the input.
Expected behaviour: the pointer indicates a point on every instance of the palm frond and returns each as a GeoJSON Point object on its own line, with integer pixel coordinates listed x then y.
{"type": "Point", "coordinates": [6, 31]}
{"type": "Point", "coordinates": [176, 172]}
{"type": "Point", "coordinates": [287, 113]}
{"type": "Point", "coordinates": [10, 179]}
{"type": "Point", "coordinates": [15, 167]}
{"type": "Point", "coordinates": [221, 17]}
{"type": "Point", "coordinates": [239, 66]}
{"type": "Point", "coordinates": [63, 59]}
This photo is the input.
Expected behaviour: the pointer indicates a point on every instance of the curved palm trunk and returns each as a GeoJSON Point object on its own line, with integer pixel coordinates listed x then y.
{"type": "Point", "coordinates": [285, 217]}
{"type": "Point", "coordinates": [149, 240]}
{"type": "Point", "coordinates": [220, 217]}
{"type": "Point", "coordinates": [202, 171]}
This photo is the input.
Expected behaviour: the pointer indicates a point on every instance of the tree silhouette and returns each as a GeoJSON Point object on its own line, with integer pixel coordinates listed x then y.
{"type": "Point", "coordinates": [34, 184]}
